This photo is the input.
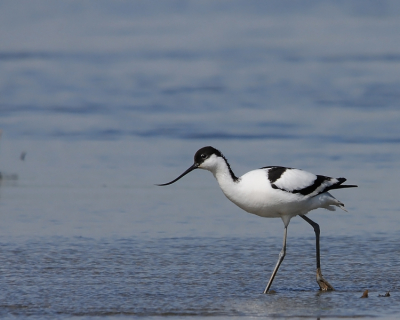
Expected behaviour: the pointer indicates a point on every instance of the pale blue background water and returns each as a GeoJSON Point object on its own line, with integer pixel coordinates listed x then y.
{"type": "Point", "coordinates": [109, 98]}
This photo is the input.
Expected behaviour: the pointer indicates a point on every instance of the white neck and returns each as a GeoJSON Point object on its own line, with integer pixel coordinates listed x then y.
{"type": "Point", "coordinates": [223, 174]}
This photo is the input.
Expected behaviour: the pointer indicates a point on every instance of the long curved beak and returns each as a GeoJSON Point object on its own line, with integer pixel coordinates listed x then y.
{"type": "Point", "coordinates": [194, 166]}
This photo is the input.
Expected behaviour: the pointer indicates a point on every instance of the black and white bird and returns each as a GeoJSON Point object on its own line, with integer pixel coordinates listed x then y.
{"type": "Point", "coordinates": [273, 192]}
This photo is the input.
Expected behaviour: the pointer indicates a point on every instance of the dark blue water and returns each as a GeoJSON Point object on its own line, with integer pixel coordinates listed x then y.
{"type": "Point", "coordinates": [101, 100]}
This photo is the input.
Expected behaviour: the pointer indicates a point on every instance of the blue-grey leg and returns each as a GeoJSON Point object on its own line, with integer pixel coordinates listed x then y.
{"type": "Point", "coordinates": [323, 284]}
{"type": "Point", "coordinates": [280, 259]}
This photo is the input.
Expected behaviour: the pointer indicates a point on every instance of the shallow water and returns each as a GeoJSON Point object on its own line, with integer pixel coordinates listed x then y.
{"type": "Point", "coordinates": [107, 99]}
{"type": "Point", "coordinates": [195, 277]}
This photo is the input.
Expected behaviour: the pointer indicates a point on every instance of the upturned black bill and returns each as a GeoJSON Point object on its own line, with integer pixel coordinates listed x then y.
{"type": "Point", "coordinates": [194, 166]}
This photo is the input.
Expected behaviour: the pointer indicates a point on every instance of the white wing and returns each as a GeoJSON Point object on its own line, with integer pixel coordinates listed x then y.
{"type": "Point", "coordinates": [299, 181]}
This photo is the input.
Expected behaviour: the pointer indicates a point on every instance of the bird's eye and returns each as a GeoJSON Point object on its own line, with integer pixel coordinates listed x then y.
{"type": "Point", "coordinates": [203, 156]}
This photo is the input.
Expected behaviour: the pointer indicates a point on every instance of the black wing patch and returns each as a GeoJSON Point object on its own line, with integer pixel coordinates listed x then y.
{"type": "Point", "coordinates": [275, 173]}
{"type": "Point", "coordinates": [310, 189]}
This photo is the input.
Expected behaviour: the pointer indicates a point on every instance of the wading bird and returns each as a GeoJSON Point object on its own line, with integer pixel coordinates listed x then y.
{"type": "Point", "coordinates": [273, 192]}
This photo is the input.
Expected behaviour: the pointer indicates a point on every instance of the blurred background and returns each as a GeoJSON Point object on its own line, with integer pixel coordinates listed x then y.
{"type": "Point", "coordinates": [100, 100]}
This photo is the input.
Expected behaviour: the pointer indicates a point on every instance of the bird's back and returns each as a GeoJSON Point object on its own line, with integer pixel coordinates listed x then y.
{"type": "Point", "coordinates": [277, 191]}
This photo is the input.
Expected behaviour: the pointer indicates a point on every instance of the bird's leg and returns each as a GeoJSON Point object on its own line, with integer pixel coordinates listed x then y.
{"type": "Point", "coordinates": [323, 284]}
{"type": "Point", "coordinates": [280, 259]}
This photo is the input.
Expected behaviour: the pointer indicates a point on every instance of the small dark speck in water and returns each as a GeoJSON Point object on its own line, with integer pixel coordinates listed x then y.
{"type": "Point", "coordinates": [365, 294]}
{"type": "Point", "coordinates": [22, 156]}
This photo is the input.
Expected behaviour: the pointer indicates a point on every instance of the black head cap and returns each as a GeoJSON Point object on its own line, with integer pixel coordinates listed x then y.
{"type": "Point", "coordinates": [204, 153]}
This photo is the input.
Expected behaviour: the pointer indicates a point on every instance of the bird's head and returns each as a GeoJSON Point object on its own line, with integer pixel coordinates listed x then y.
{"type": "Point", "coordinates": [206, 158]}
